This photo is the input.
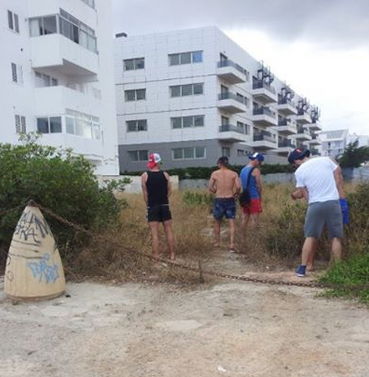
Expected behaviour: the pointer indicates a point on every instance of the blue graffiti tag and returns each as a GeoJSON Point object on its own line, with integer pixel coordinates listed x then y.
{"type": "Point", "coordinates": [42, 270]}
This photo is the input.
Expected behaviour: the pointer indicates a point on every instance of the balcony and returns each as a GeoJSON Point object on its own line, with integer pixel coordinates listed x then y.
{"type": "Point", "coordinates": [286, 127]}
{"type": "Point", "coordinates": [231, 103]}
{"type": "Point", "coordinates": [313, 126]}
{"type": "Point", "coordinates": [264, 141]}
{"type": "Point", "coordinates": [302, 134]}
{"type": "Point", "coordinates": [263, 117]}
{"type": "Point", "coordinates": [314, 140]}
{"type": "Point", "coordinates": [56, 99]}
{"type": "Point", "coordinates": [231, 133]}
{"type": "Point", "coordinates": [286, 107]}
{"type": "Point", "coordinates": [231, 72]}
{"type": "Point", "coordinates": [263, 93]}
{"type": "Point", "coordinates": [314, 152]}
{"type": "Point", "coordinates": [303, 118]}
{"type": "Point", "coordinates": [285, 147]}
{"type": "Point", "coordinates": [58, 52]}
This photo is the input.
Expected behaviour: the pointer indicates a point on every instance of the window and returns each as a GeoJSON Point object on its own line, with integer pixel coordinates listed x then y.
{"type": "Point", "coordinates": [185, 58]}
{"type": "Point", "coordinates": [81, 124]}
{"type": "Point", "coordinates": [43, 80]}
{"type": "Point", "coordinates": [186, 90]}
{"type": "Point", "coordinates": [243, 128]}
{"type": "Point", "coordinates": [135, 95]}
{"type": "Point", "coordinates": [67, 25]}
{"type": "Point", "coordinates": [13, 21]}
{"type": "Point", "coordinates": [134, 64]}
{"type": "Point", "coordinates": [49, 125]}
{"type": "Point", "coordinates": [138, 156]}
{"type": "Point", "coordinates": [226, 151]}
{"type": "Point", "coordinates": [188, 153]}
{"type": "Point", "coordinates": [241, 153]}
{"type": "Point", "coordinates": [20, 124]}
{"type": "Point", "coordinates": [136, 125]}
{"type": "Point", "coordinates": [188, 121]}
{"type": "Point", "coordinates": [17, 73]}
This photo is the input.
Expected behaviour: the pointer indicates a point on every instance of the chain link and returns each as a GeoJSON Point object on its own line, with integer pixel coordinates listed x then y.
{"type": "Point", "coordinates": [199, 269]}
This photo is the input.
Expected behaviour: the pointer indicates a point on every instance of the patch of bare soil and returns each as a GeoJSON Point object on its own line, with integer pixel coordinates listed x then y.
{"type": "Point", "coordinates": [151, 330]}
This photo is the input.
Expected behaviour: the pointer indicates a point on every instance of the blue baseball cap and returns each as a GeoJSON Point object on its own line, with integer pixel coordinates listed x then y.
{"type": "Point", "coordinates": [298, 154]}
{"type": "Point", "coordinates": [256, 156]}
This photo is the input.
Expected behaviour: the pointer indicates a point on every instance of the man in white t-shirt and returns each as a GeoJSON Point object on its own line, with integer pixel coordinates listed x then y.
{"type": "Point", "coordinates": [319, 179]}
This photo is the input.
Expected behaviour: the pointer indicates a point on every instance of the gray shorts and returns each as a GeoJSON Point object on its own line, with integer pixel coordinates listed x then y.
{"type": "Point", "coordinates": [321, 213]}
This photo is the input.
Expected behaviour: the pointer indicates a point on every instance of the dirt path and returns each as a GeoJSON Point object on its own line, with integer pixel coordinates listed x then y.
{"type": "Point", "coordinates": [230, 329]}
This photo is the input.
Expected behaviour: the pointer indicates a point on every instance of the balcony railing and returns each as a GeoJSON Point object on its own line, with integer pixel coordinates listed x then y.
{"type": "Point", "coordinates": [286, 144]}
{"type": "Point", "coordinates": [285, 101]}
{"type": "Point", "coordinates": [262, 85]}
{"type": "Point", "coordinates": [314, 151]}
{"type": "Point", "coordinates": [229, 95]}
{"type": "Point", "coordinates": [301, 130]}
{"type": "Point", "coordinates": [263, 111]}
{"type": "Point", "coordinates": [264, 136]}
{"type": "Point", "coordinates": [230, 128]}
{"type": "Point", "coordinates": [230, 63]}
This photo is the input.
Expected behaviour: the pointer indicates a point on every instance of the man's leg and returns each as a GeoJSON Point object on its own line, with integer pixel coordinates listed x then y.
{"type": "Point", "coordinates": [154, 227]}
{"type": "Point", "coordinates": [232, 233]}
{"type": "Point", "coordinates": [244, 221]}
{"type": "Point", "coordinates": [307, 250]}
{"type": "Point", "coordinates": [217, 232]}
{"type": "Point", "coordinates": [336, 250]}
{"type": "Point", "coordinates": [310, 262]}
{"type": "Point", "coordinates": [170, 237]}
{"type": "Point", "coordinates": [254, 220]}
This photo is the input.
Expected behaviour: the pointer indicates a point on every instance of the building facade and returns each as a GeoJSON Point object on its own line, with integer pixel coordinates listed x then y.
{"type": "Point", "coordinates": [194, 95]}
{"type": "Point", "coordinates": [334, 142]}
{"type": "Point", "coordinates": [57, 76]}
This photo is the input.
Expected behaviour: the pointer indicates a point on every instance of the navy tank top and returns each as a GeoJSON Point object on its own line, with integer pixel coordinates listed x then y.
{"type": "Point", "coordinates": [157, 188]}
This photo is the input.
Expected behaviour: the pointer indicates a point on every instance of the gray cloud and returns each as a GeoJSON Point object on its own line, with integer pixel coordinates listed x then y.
{"type": "Point", "coordinates": [338, 23]}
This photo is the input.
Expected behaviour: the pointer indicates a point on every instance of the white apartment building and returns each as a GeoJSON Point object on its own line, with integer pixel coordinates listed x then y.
{"type": "Point", "coordinates": [57, 76]}
{"type": "Point", "coordinates": [194, 95]}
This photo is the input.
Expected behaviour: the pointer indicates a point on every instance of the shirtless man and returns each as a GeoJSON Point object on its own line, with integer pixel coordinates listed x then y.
{"type": "Point", "coordinates": [225, 184]}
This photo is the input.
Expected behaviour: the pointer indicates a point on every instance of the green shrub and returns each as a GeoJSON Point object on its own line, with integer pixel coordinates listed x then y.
{"type": "Point", "coordinates": [59, 181]}
{"type": "Point", "coordinates": [351, 275]}
{"type": "Point", "coordinates": [198, 198]}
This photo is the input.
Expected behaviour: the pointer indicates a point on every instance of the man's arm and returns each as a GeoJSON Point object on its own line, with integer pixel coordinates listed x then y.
{"type": "Point", "coordinates": [300, 193]}
{"type": "Point", "coordinates": [211, 185]}
{"type": "Point", "coordinates": [337, 173]}
{"type": "Point", "coordinates": [167, 176]}
{"type": "Point", "coordinates": [237, 184]}
{"type": "Point", "coordinates": [144, 187]}
{"type": "Point", "coordinates": [257, 174]}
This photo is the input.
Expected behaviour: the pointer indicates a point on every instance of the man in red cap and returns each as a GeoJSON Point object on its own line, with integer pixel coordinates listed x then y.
{"type": "Point", "coordinates": [156, 189]}
{"type": "Point", "coordinates": [319, 179]}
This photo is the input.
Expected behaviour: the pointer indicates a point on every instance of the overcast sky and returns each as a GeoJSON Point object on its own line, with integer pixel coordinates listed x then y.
{"type": "Point", "coordinates": [319, 47]}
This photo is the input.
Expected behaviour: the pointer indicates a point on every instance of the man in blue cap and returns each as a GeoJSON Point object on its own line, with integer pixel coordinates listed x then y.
{"type": "Point", "coordinates": [319, 179]}
{"type": "Point", "coordinates": [251, 179]}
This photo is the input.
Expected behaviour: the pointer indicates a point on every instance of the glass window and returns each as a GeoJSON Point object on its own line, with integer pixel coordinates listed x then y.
{"type": "Point", "coordinates": [143, 155]}
{"type": "Point", "coordinates": [23, 124]}
{"type": "Point", "coordinates": [142, 125]}
{"type": "Point", "coordinates": [174, 59]}
{"type": "Point", "coordinates": [69, 124]}
{"type": "Point", "coordinates": [43, 125]}
{"type": "Point", "coordinates": [54, 82]}
{"type": "Point", "coordinates": [226, 151]}
{"type": "Point", "coordinates": [188, 152]}
{"type": "Point", "coordinates": [10, 20]}
{"type": "Point", "coordinates": [198, 89]}
{"type": "Point", "coordinates": [49, 26]}
{"type": "Point", "coordinates": [200, 152]}
{"type": "Point", "coordinates": [186, 58]}
{"type": "Point", "coordinates": [140, 94]}
{"type": "Point", "coordinates": [187, 90]}
{"type": "Point", "coordinates": [17, 123]}
{"type": "Point", "coordinates": [187, 122]}
{"type": "Point", "coordinates": [175, 91]}
{"type": "Point", "coordinates": [133, 156]}
{"type": "Point", "coordinates": [199, 121]}
{"type": "Point", "coordinates": [129, 65]}
{"type": "Point", "coordinates": [130, 95]}
{"type": "Point", "coordinates": [131, 125]}
{"type": "Point", "coordinates": [197, 57]}
{"type": "Point", "coordinates": [55, 125]}
{"type": "Point", "coordinates": [14, 72]}
{"type": "Point", "coordinates": [177, 153]}
{"type": "Point", "coordinates": [140, 63]}
{"type": "Point", "coordinates": [176, 123]}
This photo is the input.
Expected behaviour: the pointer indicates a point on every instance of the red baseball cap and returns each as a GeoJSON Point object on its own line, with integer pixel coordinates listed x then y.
{"type": "Point", "coordinates": [154, 159]}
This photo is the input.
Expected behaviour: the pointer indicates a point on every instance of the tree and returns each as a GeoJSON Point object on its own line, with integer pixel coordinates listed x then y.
{"type": "Point", "coordinates": [353, 156]}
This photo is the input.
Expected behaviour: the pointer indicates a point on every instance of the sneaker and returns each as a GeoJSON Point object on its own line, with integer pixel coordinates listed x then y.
{"type": "Point", "coordinates": [301, 271]}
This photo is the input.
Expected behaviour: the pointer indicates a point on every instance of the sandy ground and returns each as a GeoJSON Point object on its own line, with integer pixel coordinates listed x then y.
{"type": "Point", "coordinates": [151, 330]}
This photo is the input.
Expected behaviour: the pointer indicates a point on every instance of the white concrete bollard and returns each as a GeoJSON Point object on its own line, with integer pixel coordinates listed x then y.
{"type": "Point", "coordinates": [34, 270]}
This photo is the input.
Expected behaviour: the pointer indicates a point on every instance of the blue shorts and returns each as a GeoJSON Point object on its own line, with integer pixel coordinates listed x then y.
{"type": "Point", "coordinates": [224, 207]}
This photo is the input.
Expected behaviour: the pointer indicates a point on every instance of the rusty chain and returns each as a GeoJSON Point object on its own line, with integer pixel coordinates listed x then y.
{"type": "Point", "coordinates": [198, 269]}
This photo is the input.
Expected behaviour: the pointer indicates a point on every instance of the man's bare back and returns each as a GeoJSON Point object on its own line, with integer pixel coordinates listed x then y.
{"type": "Point", "coordinates": [224, 183]}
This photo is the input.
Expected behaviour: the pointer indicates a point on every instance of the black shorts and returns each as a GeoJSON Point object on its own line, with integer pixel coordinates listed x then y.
{"type": "Point", "coordinates": [159, 213]}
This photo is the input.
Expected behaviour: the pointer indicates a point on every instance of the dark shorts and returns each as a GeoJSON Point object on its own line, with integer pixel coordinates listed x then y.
{"type": "Point", "coordinates": [324, 213]}
{"type": "Point", "coordinates": [159, 213]}
{"type": "Point", "coordinates": [224, 207]}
